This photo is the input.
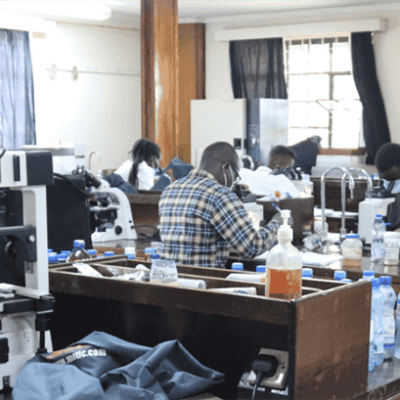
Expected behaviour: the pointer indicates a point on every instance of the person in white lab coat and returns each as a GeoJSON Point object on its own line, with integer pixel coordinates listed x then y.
{"type": "Point", "coordinates": [140, 170]}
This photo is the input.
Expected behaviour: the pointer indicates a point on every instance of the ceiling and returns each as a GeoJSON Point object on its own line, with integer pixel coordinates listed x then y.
{"type": "Point", "coordinates": [208, 10]}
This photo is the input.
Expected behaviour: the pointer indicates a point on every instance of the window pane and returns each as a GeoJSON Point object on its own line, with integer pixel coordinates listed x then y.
{"type": "Point", "coordinates": [344, 88]}
{"type": "Point", "coordinates": [346, 129]}
{"type": "Point", "coordinates": [298, 87]}
{"type": "Point", "coordinates": [317, 116]}
{"type": "Point", "coordinates": [341, 57]}
{"type": "Point", "coordinates": [319, 58]}
{"type": "Point", "coordinates": [298, 58]}
{"type": "Point", "coordinates": [318, 87]}
{"type": "Point", "coordinates": [298, 114]}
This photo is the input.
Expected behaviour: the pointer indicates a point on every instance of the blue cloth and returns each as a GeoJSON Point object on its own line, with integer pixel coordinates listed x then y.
{"type": "Point", "coordinates": [104, 367]}
{"type": "Point", "coordinates": [17, 113]}
{"type": "Point", "coordinates": [116, 180]}
{"type": "Point", "coordinates": [179, 168]}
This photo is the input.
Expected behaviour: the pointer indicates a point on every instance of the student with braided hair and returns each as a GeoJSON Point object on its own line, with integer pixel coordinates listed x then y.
{"type": "Point", "coordinates": [139, 171]}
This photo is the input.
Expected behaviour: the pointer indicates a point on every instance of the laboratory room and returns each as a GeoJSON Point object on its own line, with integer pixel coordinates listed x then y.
{"type": "Point", "coordinates": [199, 199]}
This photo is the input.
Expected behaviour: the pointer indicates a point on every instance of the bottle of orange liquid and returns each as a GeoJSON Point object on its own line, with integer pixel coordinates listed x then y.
{"type": "Point", "coordinates": [284, 265]}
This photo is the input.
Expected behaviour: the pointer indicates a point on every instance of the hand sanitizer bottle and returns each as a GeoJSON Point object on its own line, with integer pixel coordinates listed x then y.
{"type": "Point", "coordinates": [284, 265]}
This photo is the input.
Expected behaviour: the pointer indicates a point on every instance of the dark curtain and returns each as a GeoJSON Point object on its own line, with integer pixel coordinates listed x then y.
{"type": "Point", "coordinates": [17, 116]}
{"type": "Point", "coordinates": [376, 128]}
{"type": "Point", "coordinates": [257, 69]}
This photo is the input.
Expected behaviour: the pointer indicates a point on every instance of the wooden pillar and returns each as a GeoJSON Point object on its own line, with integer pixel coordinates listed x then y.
{"type": "Point", "coordinates": [159, 73]}
{"type": "Point", "coordinates": [191, 79]}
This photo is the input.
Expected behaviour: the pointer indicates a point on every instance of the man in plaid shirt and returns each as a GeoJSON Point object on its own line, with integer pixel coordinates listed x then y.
{"type": "Point", "coordinates": [202, 219]}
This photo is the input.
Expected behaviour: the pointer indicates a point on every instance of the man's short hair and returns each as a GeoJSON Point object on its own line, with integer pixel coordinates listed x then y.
{"type": "Point", "coordinates": [281, 150]}
{"type": "Point", "coordinates": [387, 156]}
{"type": "Point", "coordinates": [219, 153]}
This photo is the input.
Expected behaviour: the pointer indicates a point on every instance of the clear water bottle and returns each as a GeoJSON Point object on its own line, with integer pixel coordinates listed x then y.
{"type": "Point", "coordinates": [164, 272]}
{"type": "Point", "coordinates": [388, 314]}
{"type": "Point", "coordinates": [78, 252]}
{"type": "Point", "coordinates": [397, 343]}
{"type": "Point", "coordinates": [372, 347]}
{"type": "Point", "coordinates": [376, 316]}
{"type": "Point", "coordinates": [377, 245]}
{"type": "Point", "coordinates": [261, 269]}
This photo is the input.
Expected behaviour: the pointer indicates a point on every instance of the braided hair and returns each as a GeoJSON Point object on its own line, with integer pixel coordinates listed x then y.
{"type": "Point", "coordinates": [143, 150]}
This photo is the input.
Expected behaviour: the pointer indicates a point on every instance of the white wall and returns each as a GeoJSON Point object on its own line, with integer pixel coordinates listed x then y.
{"type": "Point", "coordinates": [386, 45]}
{"type": "Point", "coordinates": [101, 111]}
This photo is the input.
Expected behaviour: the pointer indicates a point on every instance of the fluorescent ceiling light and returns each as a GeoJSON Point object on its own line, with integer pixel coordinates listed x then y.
{"type": "Point", "coordinates": [93, 10]}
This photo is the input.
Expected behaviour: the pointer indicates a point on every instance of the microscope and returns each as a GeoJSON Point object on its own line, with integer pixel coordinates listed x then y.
{"type": "Point", "coordinates": [25, 302]}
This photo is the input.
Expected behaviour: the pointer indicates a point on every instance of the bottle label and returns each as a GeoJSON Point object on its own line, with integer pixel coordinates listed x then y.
{"type": "Point", "coordinates": [377, 252]}
{"type": "Point", "coordinates": [163, 275]}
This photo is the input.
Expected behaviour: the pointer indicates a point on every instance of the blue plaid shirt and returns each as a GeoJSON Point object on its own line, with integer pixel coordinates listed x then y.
{"type": "Point", "coordinates": [201, 221]}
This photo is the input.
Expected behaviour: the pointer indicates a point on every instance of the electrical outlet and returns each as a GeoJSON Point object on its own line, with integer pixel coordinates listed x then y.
{"type": "Point", "coordinates": [278, 380]}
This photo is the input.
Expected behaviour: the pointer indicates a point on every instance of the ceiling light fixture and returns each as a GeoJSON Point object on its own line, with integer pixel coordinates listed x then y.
{"type": "Point", "coordinates": [92, 10]}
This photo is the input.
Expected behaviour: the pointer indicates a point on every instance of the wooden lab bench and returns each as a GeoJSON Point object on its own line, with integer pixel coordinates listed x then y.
{"type": "Point", "coordinates": [325, 333]}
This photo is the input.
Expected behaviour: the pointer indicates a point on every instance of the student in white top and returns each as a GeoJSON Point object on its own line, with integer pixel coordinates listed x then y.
{"type": "Point", "coordinates": [139, 171]}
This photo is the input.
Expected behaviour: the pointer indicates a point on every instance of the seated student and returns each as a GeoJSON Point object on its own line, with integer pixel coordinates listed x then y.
{"type": "Point", "coordinates": [140, 170]}
{"type": "Point", "coordinates": [201, 218]}
{"type": "Point", "coordinates": [387, 162]}
{"type": "Point", "coordinates": [281, 157]}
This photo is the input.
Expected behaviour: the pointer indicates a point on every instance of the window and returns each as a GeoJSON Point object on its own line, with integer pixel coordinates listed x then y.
{"type": "Point", "coordinates": [323, 99]}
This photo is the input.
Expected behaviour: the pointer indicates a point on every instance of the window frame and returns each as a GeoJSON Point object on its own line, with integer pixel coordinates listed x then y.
{"type": "Point", "coordinates": [328, 39]}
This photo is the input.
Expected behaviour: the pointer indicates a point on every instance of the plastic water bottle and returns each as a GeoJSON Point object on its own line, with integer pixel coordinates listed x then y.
{"type": "Point", "coordinates": [164, 272]}
{"type": "Point", "coordinates": [130, 252]}
{"type": "Point", "coordinates": [308, 272]}
{"type": "Point", "coordinates": [237, 266]}
{"type": "Point", "coordinates": [372, 347]}
{"type": "Point", "coordinates": [388, 314]}
{"type": "Point", "coordinates": [397, 343]}
{"type": "Point", "coordinates": [78, 252]}
{"type": "Point", "coordinates": [376, 316]}
{"type": "Point", "coordinates": [339, 275]}
{"type": "Point", "coordinates": [261, 269]}
{"type": "Point", "coordinates": [377, 245]}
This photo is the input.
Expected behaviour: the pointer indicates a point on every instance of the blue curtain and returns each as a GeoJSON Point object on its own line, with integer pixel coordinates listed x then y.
{"type": "Point", "coordinates": [17, 115]}
{"type": "Point", "coordinates": [257, 69]}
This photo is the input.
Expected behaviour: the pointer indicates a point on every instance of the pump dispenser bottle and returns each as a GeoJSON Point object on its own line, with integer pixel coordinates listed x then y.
{"type": "Point", "coordinates": [284, 265]}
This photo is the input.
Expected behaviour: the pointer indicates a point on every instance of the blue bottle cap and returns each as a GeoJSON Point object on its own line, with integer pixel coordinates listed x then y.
{"type": "Point", "coordinates": [62, 260]}
{"type": "Point", "coordinates": [92, 252]}
{"type": "Point", "coordinates": [378, 216]}
{"type": "Point", "coordinates": [237, 266]}
{"type": "Point", "coordinates": [108, 253]}
{"type": "Point", "coordinates": [149, 250]}
{"type": "Point", "coordinates": [352, 236]}
{"type": "Point", "coordinates": [260, 268]}
{"type": "Point", "coordinates": [53, 260]}
{"type": "Point", "coordinates": [307, 272]}
{"type": "Point", "coordinates": [368, 274]}
{"type": "Point", "coordinates": [79, 243]}
{"type": "Point", "coordinates": [339, 275]}
{"type": "Point", "coordinates": [49, 250]}
{"type": "Point", "coordinates": [385, 280]}
{"type": "Point", "coordinates": [155, 256]}
{"type": "Point", "coordinates": [375, 282]}
{"type": "Point", "coordinates": [346, 281]}
{"type": "Point", "coordinates": [67, 252]}
{"type": "Point", "coordinates": [131, 256]}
